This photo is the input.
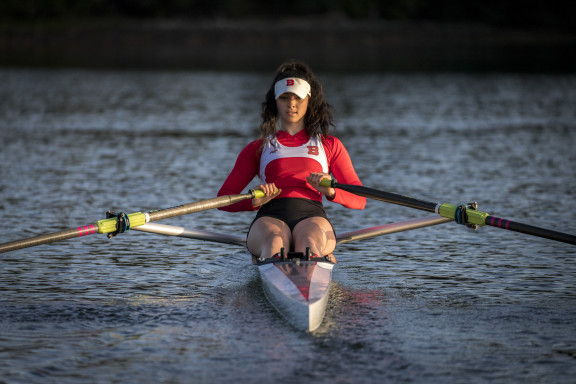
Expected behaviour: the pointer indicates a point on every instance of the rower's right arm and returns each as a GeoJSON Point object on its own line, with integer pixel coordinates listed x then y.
{"type": "Point", "coordinates": [244, 171]}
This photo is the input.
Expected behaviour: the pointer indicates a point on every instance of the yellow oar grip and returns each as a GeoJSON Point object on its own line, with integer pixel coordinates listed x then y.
{"type": "Point", "coordinates": [258, 193]}
{"type": "Point", "coordinates": [326, 183]}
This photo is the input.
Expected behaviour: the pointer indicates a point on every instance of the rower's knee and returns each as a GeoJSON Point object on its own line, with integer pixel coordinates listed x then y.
{"type": "Point", "coordinates": [315, 233]}
{"type": "Point", "coordinates": [276, 242]}
{"type": "Point", "coordinates": [267, 236]}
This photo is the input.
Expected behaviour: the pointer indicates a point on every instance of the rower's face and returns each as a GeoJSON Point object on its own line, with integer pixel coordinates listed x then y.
{"type": "Point", "coordinates": [291, 108]}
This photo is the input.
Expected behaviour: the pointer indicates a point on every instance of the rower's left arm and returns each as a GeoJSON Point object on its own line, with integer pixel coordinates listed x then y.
{"type": "Point", "coordinates": [343, 171]}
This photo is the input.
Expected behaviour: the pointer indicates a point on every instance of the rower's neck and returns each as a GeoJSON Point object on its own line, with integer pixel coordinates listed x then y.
{"type": "Point", "coordinates": [292, 129]}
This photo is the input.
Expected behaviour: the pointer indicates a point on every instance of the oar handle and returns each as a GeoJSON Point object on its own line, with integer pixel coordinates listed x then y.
{"type": "Point", "coordinates": [257, 193]}
{"type": "Point", "coordinates": [328, 183]}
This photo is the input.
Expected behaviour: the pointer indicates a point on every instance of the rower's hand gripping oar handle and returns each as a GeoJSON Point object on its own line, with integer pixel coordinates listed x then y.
{"type": "Point", "coordinates": [260, 198]}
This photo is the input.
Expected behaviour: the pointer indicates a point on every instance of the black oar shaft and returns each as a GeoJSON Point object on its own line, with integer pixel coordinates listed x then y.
{"type": "Point", "coordinates": [510, 225]}
{"type": "Point", "coordinates": [387, 197]}
{"type": "Point", "coordinates": [447, 210]}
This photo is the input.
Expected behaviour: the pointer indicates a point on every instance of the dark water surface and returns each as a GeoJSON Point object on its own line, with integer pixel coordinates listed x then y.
{"type": "Point", "coordinates": [436, 305]}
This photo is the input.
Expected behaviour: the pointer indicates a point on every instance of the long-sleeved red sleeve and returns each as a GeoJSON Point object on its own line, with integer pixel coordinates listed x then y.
{"type": "Point", "coordinates": [343, 171]}
{"type": "Point", "coordinates": [244, 171]}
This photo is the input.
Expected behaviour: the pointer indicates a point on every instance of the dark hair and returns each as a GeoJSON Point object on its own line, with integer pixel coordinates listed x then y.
{"type": "Point", "coordinates": [318, 118]}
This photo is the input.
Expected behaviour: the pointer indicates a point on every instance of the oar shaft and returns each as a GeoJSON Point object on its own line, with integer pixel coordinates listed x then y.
{"type": "Point", "coordinates": [497, 222]}
{"type": "Point", "coordinates": [387, 197]}
{"type": "Point", "coordinates": [198, 206]}
{"type": "Point", "coordinates": [49, 238]}
{"type": "Point", "coordinates": [447, 210]}
{"type": "Point", "coordinates": [136, 219]}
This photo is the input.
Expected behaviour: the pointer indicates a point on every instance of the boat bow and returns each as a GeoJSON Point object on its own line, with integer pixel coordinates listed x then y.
{"type": "Point", "coordinates": [298, 289]}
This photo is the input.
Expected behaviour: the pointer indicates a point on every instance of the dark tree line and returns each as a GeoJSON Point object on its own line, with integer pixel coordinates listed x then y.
{"type": "Point", "coordinates": [550, 14]}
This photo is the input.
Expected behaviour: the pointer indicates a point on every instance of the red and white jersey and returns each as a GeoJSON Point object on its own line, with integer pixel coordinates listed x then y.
{"type": "Point", "coordinates": [292, 156]}
{"type": "Point", "coordinates": [287, 161]}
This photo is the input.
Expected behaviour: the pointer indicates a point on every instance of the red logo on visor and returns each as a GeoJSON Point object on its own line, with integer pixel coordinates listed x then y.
{"type": "Point", "coordinates": [289, 82]}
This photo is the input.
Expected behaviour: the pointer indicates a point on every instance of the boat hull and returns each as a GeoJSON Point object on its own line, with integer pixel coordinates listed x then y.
{"type": "Point", "coordinates": [299, 290]}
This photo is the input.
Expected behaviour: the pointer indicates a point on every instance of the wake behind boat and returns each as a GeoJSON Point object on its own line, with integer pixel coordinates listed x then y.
{"type": "Point", "coordinates": [298, 287]}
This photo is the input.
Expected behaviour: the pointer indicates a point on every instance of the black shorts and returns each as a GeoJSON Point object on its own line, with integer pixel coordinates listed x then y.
{"type": "Point", "coordinates": [291, 210]}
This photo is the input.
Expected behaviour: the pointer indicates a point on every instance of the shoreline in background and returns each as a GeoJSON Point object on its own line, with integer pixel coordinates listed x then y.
{"type": "Point", "coordinates": [255, 45]}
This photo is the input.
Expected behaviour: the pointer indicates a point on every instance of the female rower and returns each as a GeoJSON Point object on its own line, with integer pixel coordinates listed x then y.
{"type": "Point", "coordinates": [293, 154]}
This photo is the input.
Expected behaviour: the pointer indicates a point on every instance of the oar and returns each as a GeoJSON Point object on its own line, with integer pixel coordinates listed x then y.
{"type": "Point", "coordinates": [453, 212]}
{"type": "Point", "coordinates": [111, 225]}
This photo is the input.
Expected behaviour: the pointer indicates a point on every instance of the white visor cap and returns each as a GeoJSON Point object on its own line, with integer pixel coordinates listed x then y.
{"type": "Point", "coordinates": [292, 84]}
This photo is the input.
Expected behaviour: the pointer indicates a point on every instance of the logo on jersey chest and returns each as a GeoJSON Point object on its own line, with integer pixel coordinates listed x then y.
{"type": "Point", "coordinates": [313, 150]}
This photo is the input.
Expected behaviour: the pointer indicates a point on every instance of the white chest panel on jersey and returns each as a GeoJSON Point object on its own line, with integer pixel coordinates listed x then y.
{"type": "Point", "coordinates": [273, 150]}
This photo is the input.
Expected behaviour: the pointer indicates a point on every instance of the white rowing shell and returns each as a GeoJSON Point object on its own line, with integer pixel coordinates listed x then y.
{"type": "Point", "coordinates": [298, 290]}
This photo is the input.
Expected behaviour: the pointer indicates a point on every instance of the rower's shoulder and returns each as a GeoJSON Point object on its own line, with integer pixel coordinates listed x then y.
{"type": "Point", "coordinates": [331, 140]}
{"type": "Point", "coordinates": [253, 146]}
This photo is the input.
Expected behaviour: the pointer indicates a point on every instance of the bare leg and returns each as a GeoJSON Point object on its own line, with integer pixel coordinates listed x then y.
{"type": "Point", "coordinates": [316, 233]}
{"type": "Point", "coordinates": [267, 236]}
